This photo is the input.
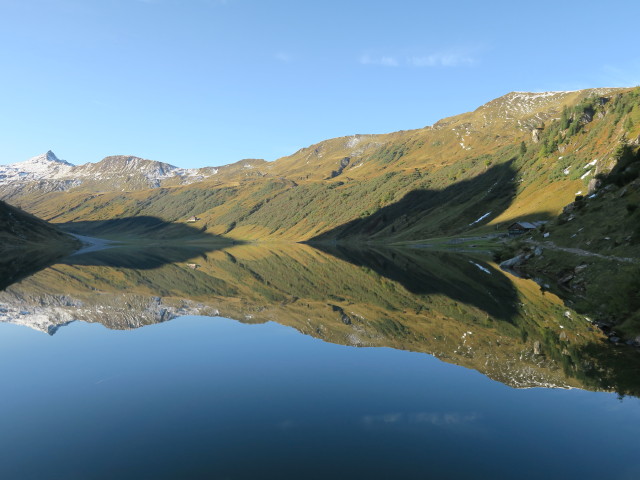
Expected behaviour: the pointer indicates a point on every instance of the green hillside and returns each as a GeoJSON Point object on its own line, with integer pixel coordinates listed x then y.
{"type": "Point", "coordinates": [591, 251]}
{"type": "Point", "coordinates": [28, 244]}
{"type": "Point", "coordinates": [521, 156]}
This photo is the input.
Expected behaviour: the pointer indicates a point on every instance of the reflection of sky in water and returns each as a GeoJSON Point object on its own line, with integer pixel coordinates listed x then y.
{"type": "Point", "coordinates": [212, 398]}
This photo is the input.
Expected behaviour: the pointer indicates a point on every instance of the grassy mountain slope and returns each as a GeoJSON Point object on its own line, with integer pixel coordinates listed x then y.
{"type": "Point", "coordinates": [28, 244]}
{"type": "Point", "coordinates": [20, 230]}
{"type": "Point", "coordinates": [592, 252]}
{"type": "Point", "coordinates": [521, 156]}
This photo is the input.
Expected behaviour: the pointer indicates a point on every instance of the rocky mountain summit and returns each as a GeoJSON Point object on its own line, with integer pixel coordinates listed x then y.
{"type": "Point", "coordinates": [43, 166]}
{"type": "Point", "coordinates": [47, 173]}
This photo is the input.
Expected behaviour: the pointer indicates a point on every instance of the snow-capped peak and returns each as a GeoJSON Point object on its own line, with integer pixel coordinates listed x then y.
{"type": "Point", "coordinates": [45, 165]}
{"type": "Point", "coordinates": [118, 172]}
{"type": "Point", "coordinates": [44, 159]}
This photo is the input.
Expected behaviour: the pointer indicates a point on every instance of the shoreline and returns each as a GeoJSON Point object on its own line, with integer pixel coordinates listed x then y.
{"type": "Point", "coordinates": [91, 244]}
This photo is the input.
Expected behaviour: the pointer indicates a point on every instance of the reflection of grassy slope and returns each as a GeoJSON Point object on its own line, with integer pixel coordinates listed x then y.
{"type": "Point", "coordinates": [143, 255]}
{"type": "Point", "coordinates": [340, 302]}
{"type": "Point", "coordinates": [582, 354]}
{"type": "Point", "coordinates": [342, 180]}
{"type": "Point", "coordinates": [458, 277]}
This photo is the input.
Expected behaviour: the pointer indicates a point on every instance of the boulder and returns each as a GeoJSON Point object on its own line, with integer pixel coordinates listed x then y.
{"type": "Point", "coordinates": [580, 268]}
{"type": "Point", "coordinates": [594, 184]}
{"type": "Point", "coordinates": [586, 117]}
{"type": "Point", "coordinates": [535, 135]}
{"type": "Point", "coordinates": [536, 348]}
{"type": "Point", "coordinates": [512, 262]}
{"type": "Point", "coordinates": [566, 279]}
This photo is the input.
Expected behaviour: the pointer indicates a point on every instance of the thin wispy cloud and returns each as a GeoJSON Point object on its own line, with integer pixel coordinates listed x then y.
{"type": "Point", "coordinates": [384, 61]}
{"type": "Point", "coordinates": [442, 59]}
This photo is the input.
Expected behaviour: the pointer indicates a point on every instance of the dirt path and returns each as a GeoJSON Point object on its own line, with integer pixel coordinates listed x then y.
{"type": "Point", "coordinates": [583, 253]}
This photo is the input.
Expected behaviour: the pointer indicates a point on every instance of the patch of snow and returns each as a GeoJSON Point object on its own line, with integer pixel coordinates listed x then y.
{"type": "Point", "coordinates": [485, 270]}
{"type": "Point", "coordinates": [353, 141]}
{"type": "Point", "coordinates": [481, 218]}
{"type": "Point", "coordinates": [585, 175]}
{"type": "Point", "coordinates": [591, 164]}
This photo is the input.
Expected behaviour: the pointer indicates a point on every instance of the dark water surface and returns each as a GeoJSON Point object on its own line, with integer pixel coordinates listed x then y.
{"type": "Point", "coordinates": [469, 374]}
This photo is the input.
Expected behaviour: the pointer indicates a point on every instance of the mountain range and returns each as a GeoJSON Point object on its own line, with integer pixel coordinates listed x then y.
{"type": "Point", "coordinates": [521, 156]}
{"type": "Point", "coordinates": [119, 172]}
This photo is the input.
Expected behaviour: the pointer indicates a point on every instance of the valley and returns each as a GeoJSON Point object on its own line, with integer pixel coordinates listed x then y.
{"type": "Point", "coordinates": [570, 159]}
{"type": "Point", "coordinates": [510, 159]}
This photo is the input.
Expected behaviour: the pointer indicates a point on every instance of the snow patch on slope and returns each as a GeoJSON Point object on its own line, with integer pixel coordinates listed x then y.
{"type": "Point", "coordinates": [480, 219]}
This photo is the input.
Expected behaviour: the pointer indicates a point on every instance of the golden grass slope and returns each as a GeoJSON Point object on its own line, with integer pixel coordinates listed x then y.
{"type": "Point", "coordinates": [513, 142]}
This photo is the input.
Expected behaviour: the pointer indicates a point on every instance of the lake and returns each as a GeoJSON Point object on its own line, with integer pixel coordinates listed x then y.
{"type": "Point", "coordinates": [285, 361]}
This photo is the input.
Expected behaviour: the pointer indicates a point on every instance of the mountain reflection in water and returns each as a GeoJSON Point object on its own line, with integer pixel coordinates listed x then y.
{"type": "Point", "coordinates": [460, 309]}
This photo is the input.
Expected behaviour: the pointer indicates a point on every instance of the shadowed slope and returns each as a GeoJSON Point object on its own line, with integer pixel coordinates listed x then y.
{"type": "Point", "coordinates": [142, 227]}
{"type": "Point", "coordinates": [424, 213]}
{"type": "Point", "coordinates": [153, 242]}
{"type": "Point", "coordinates": [28, 244]}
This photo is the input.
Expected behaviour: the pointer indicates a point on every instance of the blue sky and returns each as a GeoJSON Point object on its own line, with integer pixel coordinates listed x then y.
{"type": "Point", "coordinates": [209, 82]}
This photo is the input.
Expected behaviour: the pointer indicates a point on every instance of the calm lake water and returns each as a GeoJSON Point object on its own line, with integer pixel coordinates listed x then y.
{"type": "Point", "coordinates": [380, 364]}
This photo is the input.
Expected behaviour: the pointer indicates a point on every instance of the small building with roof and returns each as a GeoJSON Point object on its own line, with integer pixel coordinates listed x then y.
{"type": "Point", "coordinates": [518, 228]}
